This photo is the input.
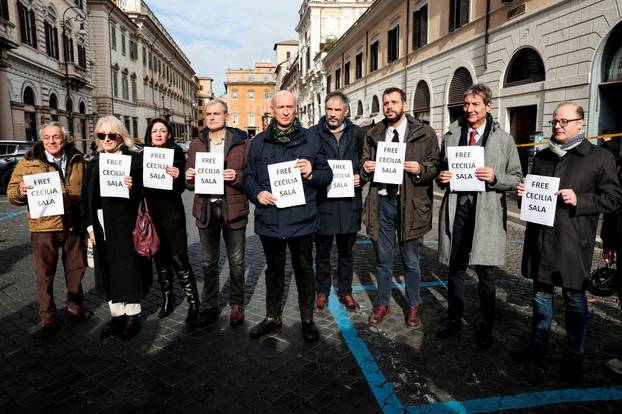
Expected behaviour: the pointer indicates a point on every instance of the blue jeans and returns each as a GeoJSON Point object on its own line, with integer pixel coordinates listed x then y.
{"type": "Point", "coordinates": [576, 316]}
{"type": "Point", "coordinates": [388, 223]}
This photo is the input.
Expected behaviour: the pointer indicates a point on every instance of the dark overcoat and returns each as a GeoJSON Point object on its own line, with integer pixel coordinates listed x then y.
{"type": "Point", "coordinates": [285, 223]}
{"type": "Point", "coordinates": [167, 211]}
{"type": "Point", "coordinates": [611, 229]}
{"type": "Point", "coordinates": [340, 215]}
{"type": "Point", "coordinates": [561, 255]}
{"type": "Point", "coordinates": [120, 274]}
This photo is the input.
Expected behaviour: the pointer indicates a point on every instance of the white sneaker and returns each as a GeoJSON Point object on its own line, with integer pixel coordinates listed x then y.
{"type": "Point", "coordinates": [615, 365]}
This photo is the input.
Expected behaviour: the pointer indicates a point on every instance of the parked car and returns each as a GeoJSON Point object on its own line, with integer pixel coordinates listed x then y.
{"type": "Point", "coordinates": [10, 153]}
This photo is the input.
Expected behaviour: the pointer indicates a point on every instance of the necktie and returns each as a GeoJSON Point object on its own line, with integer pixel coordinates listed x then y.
{"type": "Point", "coordinates": [392, 188]}
{"type": "Point", "coordinates": [472, 140]}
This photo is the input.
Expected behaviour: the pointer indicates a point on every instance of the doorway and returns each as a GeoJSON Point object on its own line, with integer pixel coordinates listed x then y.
{"type": "Point", "coordinates": [522, 126]}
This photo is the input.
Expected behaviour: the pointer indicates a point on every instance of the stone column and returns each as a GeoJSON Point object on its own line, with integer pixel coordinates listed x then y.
{"type": "Point", "coordinates": [6, 118]}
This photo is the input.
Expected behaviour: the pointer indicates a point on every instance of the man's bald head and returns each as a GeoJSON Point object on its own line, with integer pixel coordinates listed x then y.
{"type": "Point", "coordinates": [284, 108]}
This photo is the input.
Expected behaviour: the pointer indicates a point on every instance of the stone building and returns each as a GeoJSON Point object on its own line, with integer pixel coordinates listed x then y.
{"type": "Point", "coordinates": [140, 72]}
{"type": "Point", "coordinates": [321, 24]}
{"type": "Point", "coordinates": [249, 92]}
{"type": "Point", "coordinates": [533, 54]}
{"type": "Point", "coordinates": [286, 53]}
{"type": "Point", "coordinates": [45, 68]}
{"type": "Point", "coordinates": [204, 94]}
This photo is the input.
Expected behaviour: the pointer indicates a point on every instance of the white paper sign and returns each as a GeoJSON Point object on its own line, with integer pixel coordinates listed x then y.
{"type": "Point", "coordinates": [155, 161]}
{"type": "Point", "coordinates": [539, 201]}
{"type": "Point", "coordinates": [209, 167]}
{"type": "Point", "coordinates": [343, 179]}
{"type": "Point", "coordinates": [463, 161]}
{"type": "Point", "coordinates": [112, 169]}
{"type": "Point", "coordinates": [45, 198]}
{"type": "Point", "coordinates": [390, 159]}
{"type": "Point", "coordinates": [286, 184]}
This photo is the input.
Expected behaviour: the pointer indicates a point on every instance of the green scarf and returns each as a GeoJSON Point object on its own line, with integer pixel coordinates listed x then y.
{"type": "Point", "coordinates": [282, 136]}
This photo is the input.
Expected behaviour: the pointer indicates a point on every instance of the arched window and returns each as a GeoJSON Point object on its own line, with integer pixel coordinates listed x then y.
{"type": "Point", "coordinates": [459, 84]}
{"type": "Point", "coordinates": [421, 102]}
{"type": "Point", "coordinates": [526, 66]}
{"type": "Point", "coordinates": [82, 108]}
{"type": "Point", "coordinates": [359, 109]}
{"type": "Point", "coordinates": [53, 101]}
{"type": "Point", "coordinates": [29, 96]}
{"type": "Point", "coordinates": [375, 105]}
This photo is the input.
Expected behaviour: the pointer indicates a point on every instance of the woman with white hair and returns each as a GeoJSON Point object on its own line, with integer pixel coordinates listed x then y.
{"type": "Point", "coordinates": [121, 275]}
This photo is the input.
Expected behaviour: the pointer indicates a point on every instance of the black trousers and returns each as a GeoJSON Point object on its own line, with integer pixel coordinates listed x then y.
{"type": "Point", "coordinates": [301, 250]}
{"type": "Point", "coordinates": [323, 247]}
{"type": "Point", "coordinates": [461, 244]}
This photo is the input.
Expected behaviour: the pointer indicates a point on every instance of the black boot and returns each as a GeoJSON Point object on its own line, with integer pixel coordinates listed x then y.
{"type": "Point", "coordinates": [182, 267]}
{"type": "Point", "coordinates": [165, 277]}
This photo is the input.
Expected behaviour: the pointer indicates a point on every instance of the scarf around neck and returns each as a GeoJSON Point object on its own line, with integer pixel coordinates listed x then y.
{"type": "Point", "coordinates": [283, 136]}
{"type": "Point", "coordinates": [561, 149]}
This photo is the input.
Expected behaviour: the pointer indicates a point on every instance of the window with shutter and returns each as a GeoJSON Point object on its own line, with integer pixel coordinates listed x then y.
{"type": "Point", "coordinates": [458, 13]}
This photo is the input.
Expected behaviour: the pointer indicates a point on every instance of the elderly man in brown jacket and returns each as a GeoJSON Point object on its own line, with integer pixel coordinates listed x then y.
{"type": "Point", "coordinates": [51, 233]}
{"type": "Point", "coordinates": [221, 213]}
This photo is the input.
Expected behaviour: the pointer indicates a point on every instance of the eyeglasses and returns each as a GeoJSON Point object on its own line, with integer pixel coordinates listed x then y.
{"type": "Point", "coordinates": [48, 138]}
{"type": "Point", "coordinates": [562, 122]}
{"type": "Point", "coordinates": [111, 135]}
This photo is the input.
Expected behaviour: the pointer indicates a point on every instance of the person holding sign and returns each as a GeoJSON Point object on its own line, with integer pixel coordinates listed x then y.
{"type": "Point", "coordinates": [472, 228]}
{"type": "Point", "coordinates": [167, 211]}
{"type": "Point", "coordinates": [340, 216]}
{"type": "Point", "coordinates": [406, 208]}
{"type": "Point", "coordinates": [561, 255]}
{"type": "Point", "coordinates": [286, 140]}
{"type": "Point", "coordinates": [121, 276]}
{"type": "Point", "coordinates": [225, 213]}
{"type": "Point", "coordinates": [49, 233]}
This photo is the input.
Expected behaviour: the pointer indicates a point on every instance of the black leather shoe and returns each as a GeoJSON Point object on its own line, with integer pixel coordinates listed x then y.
{"type": "Point", "coordinates": [132, 325]}
{"type": "Point", "coordinates": [207, 315]}
{"type": "Point", "coordinates": [483, 338]}
{"type": "Point", "coordinates": [266, 326]}
{"type": "Point", "coordinates": [449, 328]}
{"type": "Point", "coordinates": [571, 368]}
{"type": "Point", "coordinates": [309, 331]}
{"type": "Point", "coordinates": [115, 326]}
{"type": "Point", "coordinates": [530, 351]}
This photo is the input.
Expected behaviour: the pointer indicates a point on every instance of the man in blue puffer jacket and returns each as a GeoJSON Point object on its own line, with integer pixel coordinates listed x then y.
{"type": "Point", "coordinates": [286, 140]}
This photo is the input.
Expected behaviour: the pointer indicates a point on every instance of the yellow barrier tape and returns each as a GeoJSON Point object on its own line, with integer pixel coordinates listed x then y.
{"type": "Point", "coordinates": [546, 141]}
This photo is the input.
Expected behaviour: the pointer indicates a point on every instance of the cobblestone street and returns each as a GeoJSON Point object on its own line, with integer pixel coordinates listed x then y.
{"type": "Point", "coordinates": [351, 369]}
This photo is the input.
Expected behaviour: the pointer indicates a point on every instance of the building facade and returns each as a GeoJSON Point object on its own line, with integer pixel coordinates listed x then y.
{"type": "Point", "coordinates": [249, 92]}
{"type": "Point", "coordinates": [533, 54]}
{"type": "Point", "coordinates": [286, 54]}
{"type": "Point", "coordinates": [321, 24]}
{"type": "Point", "coordinates": [204, 95]}
{"type": "Point", "coordinates": [140, 71]}
{"type": "Point", "coordinates": [45, 71]}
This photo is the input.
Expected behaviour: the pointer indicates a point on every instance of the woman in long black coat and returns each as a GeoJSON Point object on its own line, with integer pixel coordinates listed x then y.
{"type": "Point", "coordinates": [167, 210]}
{"type": "Point", "coordinates": [121, 275]}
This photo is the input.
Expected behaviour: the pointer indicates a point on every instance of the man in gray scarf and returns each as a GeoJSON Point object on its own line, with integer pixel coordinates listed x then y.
{"type": "Point", "coordinates": [561, 255]}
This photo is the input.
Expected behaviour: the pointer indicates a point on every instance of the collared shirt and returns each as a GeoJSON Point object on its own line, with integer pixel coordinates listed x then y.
{"type": "Point", "coordinates": [480, 134]}
{"type": "Point", "coordinates": [61, 162]}
{"type": "Point", "coordinates": [388, 137]}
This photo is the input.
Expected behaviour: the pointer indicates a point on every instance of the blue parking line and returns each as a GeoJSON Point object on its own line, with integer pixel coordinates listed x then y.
{"type": "Point", "coordinates": [12, 214]}
{"type": "Point", "coordinates": [389, 402]}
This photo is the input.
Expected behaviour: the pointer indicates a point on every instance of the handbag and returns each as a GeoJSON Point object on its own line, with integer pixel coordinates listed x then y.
{"type": "Point", "coordinates": [603, 282]}
{"type": "Point", "coordinates": [146, 240]}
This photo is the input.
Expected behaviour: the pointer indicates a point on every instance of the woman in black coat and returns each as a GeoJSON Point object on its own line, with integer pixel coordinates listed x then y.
{"type": "Point", "coordinates": [167, 210]}
{"type": "Point", "coordinates": [121, 275]}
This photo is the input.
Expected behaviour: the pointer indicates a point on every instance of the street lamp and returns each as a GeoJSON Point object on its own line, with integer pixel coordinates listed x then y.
{"type": "Point", "coordinates": [64, 23]}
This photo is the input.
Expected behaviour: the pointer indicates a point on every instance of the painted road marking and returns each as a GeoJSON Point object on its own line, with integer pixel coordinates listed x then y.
{"type": "Point", "coordinates": [12, 214]}
{"type": "Point", "coordinates": [387, 398]}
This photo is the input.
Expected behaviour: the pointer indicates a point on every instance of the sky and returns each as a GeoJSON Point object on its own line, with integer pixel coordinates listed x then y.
{"type": "Point", "coordinates": [220, 34]}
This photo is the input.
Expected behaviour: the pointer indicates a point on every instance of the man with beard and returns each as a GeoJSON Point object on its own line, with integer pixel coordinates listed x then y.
{"type": "Point", "coordinates": [286, 140]}
{"type": "Point", "coordinates": [405, 209]}
{"type": "Point", "coordinates": [340, 218]}
{"type": "Point", "coordinates": [472, 228]}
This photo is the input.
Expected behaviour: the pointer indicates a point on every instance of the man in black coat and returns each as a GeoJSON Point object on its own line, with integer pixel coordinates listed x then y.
{"type": "Point", "coordinates": [340, 218]}
{"type": "Point", "coordinates": [561, 255]}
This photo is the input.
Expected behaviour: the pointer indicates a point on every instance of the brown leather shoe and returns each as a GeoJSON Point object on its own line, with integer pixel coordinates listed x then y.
{"type": "Point", "coordinates": [237, 315]}
{"type": "Point", "coordinates": [349, 302]}
{"type": "Point", "coordinates": [377, 316]}
{"type": "Point", "coordinates": [412, 318]}
{"type": "Point", "coordinates": [80, 313]}
{"type": "Point", "coordinates": [321, 300]}
{"type": "Point", "coordinates": [132, 325]}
